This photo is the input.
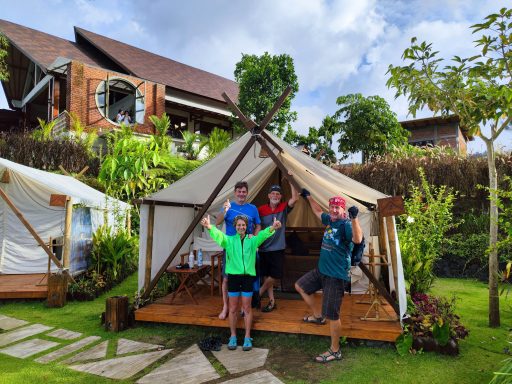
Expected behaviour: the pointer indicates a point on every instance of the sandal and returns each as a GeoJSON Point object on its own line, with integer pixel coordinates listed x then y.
{"type": "Point", "coordinates": [314, 320]}
{"type": "Point", "coordinates": [247, 344]}
{"type": "Point", "coordinates": [269, 307]}
{"type": "Point", "coordinates": [232, 343]}
{"type": "Point", "coordinates": [328, 356]}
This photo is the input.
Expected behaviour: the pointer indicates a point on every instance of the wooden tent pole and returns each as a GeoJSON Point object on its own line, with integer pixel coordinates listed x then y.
{"type": "Point", "coordinates": [200, 215]}
{"type": "Point", "coordinates": [149, 248]}
{"type": "Point", "coordinates": [30, 228]}
{"type": "Point", "coordinates": [66, 252]}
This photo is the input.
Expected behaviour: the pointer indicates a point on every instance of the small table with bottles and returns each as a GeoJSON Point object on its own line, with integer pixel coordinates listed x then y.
{"type": "Point", "coordinates": [189, 277]}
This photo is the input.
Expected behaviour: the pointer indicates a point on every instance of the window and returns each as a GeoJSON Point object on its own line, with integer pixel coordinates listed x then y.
{"type": "Point", "coordinates": [423, 143]}
{"type": "Point", "coordinates": [178, 125]}
{"type": "Point", "coordinates": [117, 99]}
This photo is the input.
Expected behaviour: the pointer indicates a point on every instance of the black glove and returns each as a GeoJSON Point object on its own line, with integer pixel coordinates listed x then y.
{"type": "Point", "coordinates": [352, 212]}
{"type": "Point", "coordinates": [305, 193]}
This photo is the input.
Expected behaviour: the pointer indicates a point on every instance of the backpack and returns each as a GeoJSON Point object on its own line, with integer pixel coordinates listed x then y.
{"type": "Point", "coordinates": [357, 250]}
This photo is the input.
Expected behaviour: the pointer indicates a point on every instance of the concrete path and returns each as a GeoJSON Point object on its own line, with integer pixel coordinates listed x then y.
{"type": "Point", "coordinates": [189, 367]}
{"type": "Point", "coordinates": [8, 323]}
{"type": "Point", "coordinates": [239, 361]}
{"type": "Point", "coordinates": [121, 367]}
{"type": "Point", "coordinates": [28, 348]}
{"type": "Point", "coordinates": [22, 333]}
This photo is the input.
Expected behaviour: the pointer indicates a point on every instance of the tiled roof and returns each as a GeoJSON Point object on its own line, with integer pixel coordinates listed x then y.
{"type": "Point", "coordinates": [160, 69]}
{"type": "Point", "coordinates": [43, 48]}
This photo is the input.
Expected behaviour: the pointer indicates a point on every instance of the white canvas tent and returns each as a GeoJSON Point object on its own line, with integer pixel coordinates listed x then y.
{"type": "Point", "coordinates": [30, 190]}
{"type": "Point", "coordinates": [177, 205]}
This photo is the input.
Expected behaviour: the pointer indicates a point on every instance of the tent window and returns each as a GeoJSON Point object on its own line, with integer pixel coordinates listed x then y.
{"type": "Point", "coordinates": [115, 94]}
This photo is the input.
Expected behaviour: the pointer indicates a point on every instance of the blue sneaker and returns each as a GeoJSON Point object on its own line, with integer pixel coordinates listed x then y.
{"type": "Point", "coordinates": [247, 344]}
{"type": "Point", "coordinates": [232, 343]}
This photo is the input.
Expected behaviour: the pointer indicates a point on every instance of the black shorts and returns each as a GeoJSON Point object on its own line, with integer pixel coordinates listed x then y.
{"type": "Point", "coordinates": [271, 263]}
{"type": "Point", "coordinates": [333, 290]}
{"type": "Point", "coordinates": [240, 285]}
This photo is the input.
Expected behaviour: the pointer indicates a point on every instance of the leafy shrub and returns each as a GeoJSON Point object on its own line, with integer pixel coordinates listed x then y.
{"type": "Point", "coordinates": [114, 255]}
{"type": "Point", "coordinates": [47, 155]}
{"type": "Point", "coordinates": [218, 140]}
{"type": "Point", "coordinates": [432, 326]}
{"type": "Point", "coordinates": [422, 232]}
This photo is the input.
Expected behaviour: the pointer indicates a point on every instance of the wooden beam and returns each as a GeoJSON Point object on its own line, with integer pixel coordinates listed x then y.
{"type": "Point", "coordinates": [63, 170]}
{"type": "Point", "coordinates": [66, 251]}
{"type": "Point", "coordinates": [165, 203]}
{"type": "Point", "coordinates": [6, 177]}
{"type": "Point", "coordinates": [392, 249]}
{"type": "Point", "coordinates": [29, 227]}
{"type": "Point", "coordinates": [149, 248]}
{"type": "Point", "coordinates": [382, 237]}
{"type": "Point", "coordinates": [267, 137]}
{"type": "Point", "coordinates": [200, 215]}
{"type": "Point", "coordinates": [274, 109]}
{"type": "Point", "coordinates": [81, 173]}
{"type": "Point", "coordinates": [248, 123]}
{"type": "Point", "coordinates": [279, 164]}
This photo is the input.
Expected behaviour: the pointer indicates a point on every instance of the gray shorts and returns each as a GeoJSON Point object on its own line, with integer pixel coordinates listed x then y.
{"type": "Point", "coordinates": [333, 291]}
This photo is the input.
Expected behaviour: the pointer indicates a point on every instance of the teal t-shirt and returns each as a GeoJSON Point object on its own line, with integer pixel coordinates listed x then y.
{"type": "Point", "coordinates": [335, 253]}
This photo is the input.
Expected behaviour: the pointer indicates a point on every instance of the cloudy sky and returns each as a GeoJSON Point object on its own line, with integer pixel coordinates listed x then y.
{"type": "Point", "coordinates": [338, 46]}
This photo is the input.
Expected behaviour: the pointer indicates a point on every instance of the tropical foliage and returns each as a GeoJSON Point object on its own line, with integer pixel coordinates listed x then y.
{"type": "Point", "coordinates": [262, 80]}
{"type": "Point", "coordinates": [367, 124]}
{"type": "Point", "coordinates": [219, 140]}
{"type": "Point", "coordinates": [4, 45]}
{"type": "Point", "coordinates": [479, 90]}
{"type": "Point", "coordinates": [422, 232]}
{"type": "Point", "coordinates": [193, 144]}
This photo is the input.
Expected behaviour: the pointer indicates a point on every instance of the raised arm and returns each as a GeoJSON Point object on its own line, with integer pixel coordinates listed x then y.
{"type": "Point", "coordinates": [295, 193]}
{"type": "Point", "coordinates": [317, 209]}
{"type": "Point", "coordinates": [357, 232]}
{"type": "Point", "coordinates": [220, 217]}
{"type": "Point", "coordinates": [216, 235]}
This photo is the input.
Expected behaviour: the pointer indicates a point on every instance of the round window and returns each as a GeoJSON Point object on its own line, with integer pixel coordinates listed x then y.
{"type": "Point", "coordinates": [120, 101]}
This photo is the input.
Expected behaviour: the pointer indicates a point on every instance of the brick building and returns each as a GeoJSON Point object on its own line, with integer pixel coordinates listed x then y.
{"type": "Point", "coordinates": [438, 131]}
{"type": "Point", "coordinates": [95, 77]}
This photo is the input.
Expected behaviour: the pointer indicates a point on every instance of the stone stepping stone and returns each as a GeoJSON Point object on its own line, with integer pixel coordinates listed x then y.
{"type": "Point", "coordinates": [22, 333]}
{"type": "Point", "coordinates": [240, 361]}
{"type": "Point", "coordinates": [9, 323]}
{"type": "Point", "coordinates": [189, 367]}
{"type": "Point", "coordinates": [28, 348]}
{"type": "Point", "coordinates": [121, 367]}
{"type": "Point", "coordinates": [67, 349]}
{"type": "Point", "coordinates": [97, 352]}
{"type": "Point", "coordinates": [64, 334]}
{"type": "Point", "coordinates": [260, 377]}
{"type": "Point", "coordinates": [129, 346]}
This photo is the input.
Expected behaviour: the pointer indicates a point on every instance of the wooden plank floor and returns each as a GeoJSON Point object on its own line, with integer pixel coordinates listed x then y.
{"type": "Point", "coordinates": [23, 286]}
{"type": "Point", "coordinates": [287, 318]}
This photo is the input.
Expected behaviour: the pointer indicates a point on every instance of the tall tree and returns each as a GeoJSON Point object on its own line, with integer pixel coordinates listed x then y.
{"type": "Point", "coordinates": [4, 45]}
{"type": "Point", "coordinates": [262, 79]}
{"type": "Point", "coordinates": [318, 141]}
{"type": "Point", "coordinates": [478, 90]}
{"type": "Point", "coordinates": [367, 124]}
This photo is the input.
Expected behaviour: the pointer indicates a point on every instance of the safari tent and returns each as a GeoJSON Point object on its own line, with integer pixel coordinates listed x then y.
{"type": "Point", "coordinates": [56, 208]}
{"type": "Point", "coordinates": [169, 212]}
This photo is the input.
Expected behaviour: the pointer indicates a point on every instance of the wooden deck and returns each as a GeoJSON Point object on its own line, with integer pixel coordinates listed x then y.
{"type": "Point", "coordinates": [287, 318]}
{"type": "Point", "coordinates": [23, 286]}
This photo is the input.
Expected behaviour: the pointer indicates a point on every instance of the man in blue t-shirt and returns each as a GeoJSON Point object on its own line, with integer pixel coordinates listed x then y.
{"type": "Point", "coordinates": [230, 210]}
{"type": "Point", "coordinates": [333, 268]}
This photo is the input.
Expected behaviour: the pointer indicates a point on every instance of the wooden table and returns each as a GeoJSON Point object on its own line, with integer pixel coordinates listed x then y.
{"type": "Point", "coordinates": [188, 280]}
{"type": "Point", "coordinates": [215, 263]}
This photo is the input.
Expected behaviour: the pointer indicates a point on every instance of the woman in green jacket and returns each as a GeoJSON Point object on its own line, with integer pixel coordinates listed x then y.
{"type": "Point", "coordinates": [241, 269]}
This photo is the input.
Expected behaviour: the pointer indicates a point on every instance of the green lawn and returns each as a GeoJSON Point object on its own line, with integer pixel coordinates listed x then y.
{"type": "Point", "coordinates": [290, 356]}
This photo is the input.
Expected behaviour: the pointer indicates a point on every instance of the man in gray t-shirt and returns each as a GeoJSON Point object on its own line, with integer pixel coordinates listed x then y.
{"type": "Point", "coordinates": [272, 250]}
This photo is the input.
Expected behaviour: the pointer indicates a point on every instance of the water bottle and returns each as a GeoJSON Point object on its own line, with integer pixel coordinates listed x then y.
{"type": "Point", "coordinates": [200, 258]}
{"type": "Point", "coordinates": [191, 260]}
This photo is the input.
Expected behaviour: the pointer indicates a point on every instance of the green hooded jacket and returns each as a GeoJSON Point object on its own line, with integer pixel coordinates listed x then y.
{"type": "Point", "coordinates": [238, 262]}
